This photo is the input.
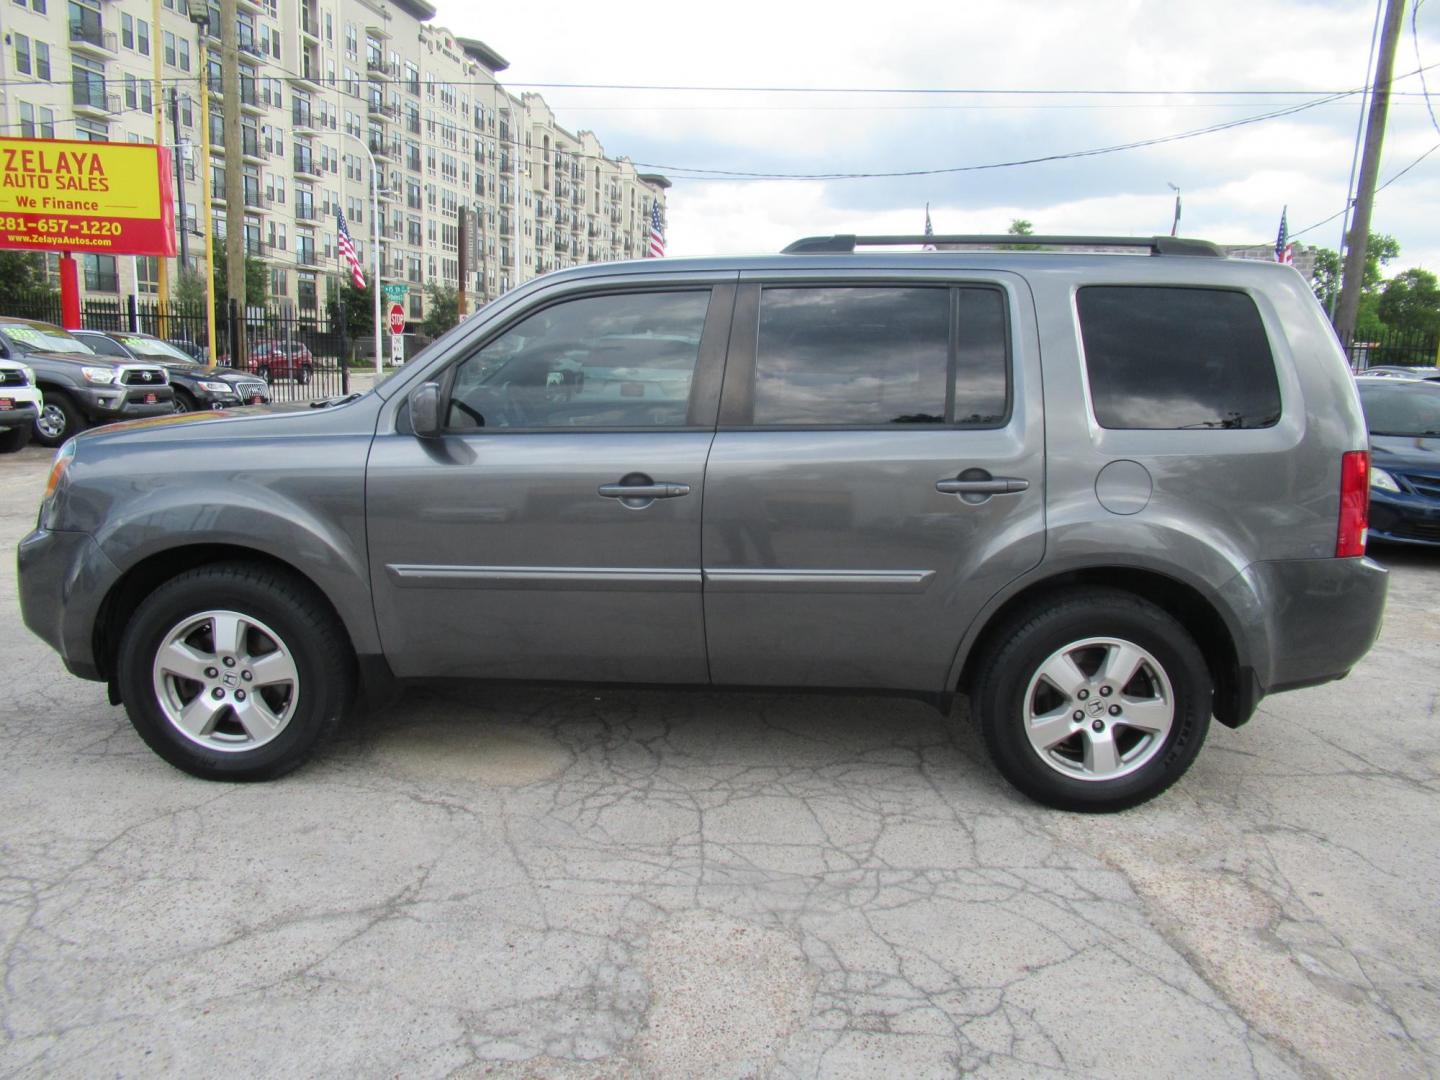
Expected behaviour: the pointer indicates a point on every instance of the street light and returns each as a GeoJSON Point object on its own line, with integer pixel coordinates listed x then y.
{"type": "Point", "coordinates": [375, 219]}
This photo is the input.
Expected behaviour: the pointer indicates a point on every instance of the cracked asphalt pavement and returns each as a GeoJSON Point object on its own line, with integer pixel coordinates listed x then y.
{"type": "Point", "coordinates": [568, 883]}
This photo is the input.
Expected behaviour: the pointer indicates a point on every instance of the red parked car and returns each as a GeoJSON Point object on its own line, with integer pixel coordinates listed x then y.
{"type": "Point", "coordinates": [278, 359]}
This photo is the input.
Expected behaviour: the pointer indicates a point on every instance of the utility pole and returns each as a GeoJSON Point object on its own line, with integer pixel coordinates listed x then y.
{"type": "Point", "coordinates": [462, 248]}
{"type": "Point", "coordinates": [1354, 275]}
{"type": "Point", "coordinates": [180, 180]}
{"type": "Point", "coordinates": [234, 175]}
{"type": "Point", "coordinates": [158, 104]}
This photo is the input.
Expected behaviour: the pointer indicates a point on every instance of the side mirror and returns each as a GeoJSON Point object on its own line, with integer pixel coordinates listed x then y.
{"type": "Point", "coordinates": [425, 410]}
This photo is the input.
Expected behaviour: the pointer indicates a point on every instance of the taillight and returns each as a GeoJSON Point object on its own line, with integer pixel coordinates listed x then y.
{"type": "Point", "coordinates": [1354, 504]}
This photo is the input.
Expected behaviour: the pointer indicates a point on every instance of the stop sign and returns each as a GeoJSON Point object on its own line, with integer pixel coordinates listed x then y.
{"type": "Point", "coordinates": [397, 318]}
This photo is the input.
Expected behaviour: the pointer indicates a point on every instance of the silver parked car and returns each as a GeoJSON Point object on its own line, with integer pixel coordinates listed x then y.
{"type": "Point", "coordinates": [1108, 496]}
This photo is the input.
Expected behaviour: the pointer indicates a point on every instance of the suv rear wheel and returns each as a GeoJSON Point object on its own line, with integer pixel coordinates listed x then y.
{"type": "Point", "coordinates": [234, 671]}
{"type": "Point", "coordinates": [1094, 700]}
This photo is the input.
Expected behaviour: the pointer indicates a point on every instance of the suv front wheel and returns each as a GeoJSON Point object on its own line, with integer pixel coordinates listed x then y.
{"type": "Point", "coordinates": [58, 420]}
{"type": "Point", "coordinates": [1094, 700]}
{"type": "Point", "coordinates": [234, 671]}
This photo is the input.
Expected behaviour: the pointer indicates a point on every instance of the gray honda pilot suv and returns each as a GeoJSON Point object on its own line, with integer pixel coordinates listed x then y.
{"type": "Point", "coordinates": [1107, 496]}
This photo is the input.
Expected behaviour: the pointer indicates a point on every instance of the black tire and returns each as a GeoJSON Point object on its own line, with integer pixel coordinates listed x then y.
{"type": "Point", "coordinates": [15, 439]}
{"type": "Point", "coordinates": [306, 629]}
{"type": "Point", "coordinates": [1056, 625]}
{"type": "Point", "coordinates": [184, 403]}
{"type": "Point", "coordinates": [61, 417]}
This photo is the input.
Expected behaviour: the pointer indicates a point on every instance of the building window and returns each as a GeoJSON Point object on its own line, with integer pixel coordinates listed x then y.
{"type": "Point", "coordinates": [42, 61]}
{"type": "Point", "coordinates": [169, 39]}
{"type": "Point", "coordinates": [100, 275]}
{"type": "Point", "coordinates": [22, 54]}
{"type": "Point", "coordinates": [142, 37]}
{"type": "Point", "coordinates": [86, 130]}
{"type": "Point", "coordinates": [46, 127]}
{"type": "Point", "coordinates": [127, 31]}
{"type": "Point", "coordinates": [305, 288]}
{"type": "Point", "coordinates": [27, 120]}
{"type": "Point", "coordinates": [184, 55]}
{"type": "Point", "coordinates": [147, 267]}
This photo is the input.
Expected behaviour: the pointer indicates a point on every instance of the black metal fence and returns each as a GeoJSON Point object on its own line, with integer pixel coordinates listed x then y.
{"type": "Point", "coordinates": [1392, 348]}
{"type": "Point", "coordinates": [298, 354]}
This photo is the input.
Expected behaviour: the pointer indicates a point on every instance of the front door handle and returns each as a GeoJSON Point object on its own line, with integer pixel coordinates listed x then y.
{"type": "Point", "coordinates": [994, 485]}
{"type": "Point", "coordinates": [644, 491]}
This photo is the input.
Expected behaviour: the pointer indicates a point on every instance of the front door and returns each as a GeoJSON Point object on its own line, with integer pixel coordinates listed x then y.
{"type": "Point", "coordinates": [553, 530]}
{"type": "Point", "coordinates": [877, 476]}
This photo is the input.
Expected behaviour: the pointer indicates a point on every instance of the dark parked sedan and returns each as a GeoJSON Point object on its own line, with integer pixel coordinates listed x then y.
{"type": "Point", "coordinates": [196, 386]}
{"type": "Point", "coordinates": [1404, 420]}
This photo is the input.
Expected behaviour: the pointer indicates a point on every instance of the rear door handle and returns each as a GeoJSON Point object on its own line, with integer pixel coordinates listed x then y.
{"type": "Point", "coordinates": [995, 485]}
{"type": "Point", "coordinates": [644, 491]}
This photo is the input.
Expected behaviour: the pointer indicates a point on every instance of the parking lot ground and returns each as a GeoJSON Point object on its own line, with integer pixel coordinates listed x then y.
{"type": "Point", "coordinates": [569, 883]}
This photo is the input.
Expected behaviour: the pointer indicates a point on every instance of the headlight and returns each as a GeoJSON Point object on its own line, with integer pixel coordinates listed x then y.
{"type": "Point", "coordinates": [103, 375]}
{"type": "Point", "coordinates": [63, 458]}
{"type": "Point", "coordinates": [1381, 480]}
{"type": "Point", "coordinates": [217, 388]}
{"type": "Point", "coordinates": [29, 374]}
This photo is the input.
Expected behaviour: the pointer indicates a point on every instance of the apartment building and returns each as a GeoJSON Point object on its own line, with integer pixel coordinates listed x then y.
{"type": "Point", "coordinates": [327, 87]}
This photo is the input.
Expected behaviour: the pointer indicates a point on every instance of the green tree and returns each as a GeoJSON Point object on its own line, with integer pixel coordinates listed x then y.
{"type": "Point", "coordinates": [188, 295]}
{"type": "Point", "coordinates": [1410, 301]}
{"type": "Point", "coordinates": [357, 304]}
{"type": "Point", "coordinates": [23, 276]}
{"type": "Point", "coordinates": [1021, 227]}
{"type": "Point", "coordinates": [257, 283]}
{"type": "Point", "coordinates": [1380, 250]}
{"type": "Point", "coordinates": [444, 309]}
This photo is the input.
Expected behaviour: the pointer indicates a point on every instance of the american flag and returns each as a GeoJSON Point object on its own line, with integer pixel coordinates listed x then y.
{"type": "Point", "coordinates": [347, 249]}
{"type": "Point", "coordinates": [929, 230]}
{"type": "Point", "coordinates": [657, 233]}
{"type": "Point", "coordinates": [1284, 253]}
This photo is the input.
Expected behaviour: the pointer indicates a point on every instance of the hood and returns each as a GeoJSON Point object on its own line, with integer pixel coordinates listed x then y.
{"type": "Point", "coordinates": [225, 426]}
{"type": "Point", "coordinates": [1406, 452]}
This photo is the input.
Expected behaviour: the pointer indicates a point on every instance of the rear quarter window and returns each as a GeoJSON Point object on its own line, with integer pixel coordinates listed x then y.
{"type": "Point", "coordinates": [1177, 357]}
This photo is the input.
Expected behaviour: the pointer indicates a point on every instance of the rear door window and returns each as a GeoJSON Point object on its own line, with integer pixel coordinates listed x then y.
{"type": "Point", "coordinates": [868, 356]}
{"type": "Point", "coordinates": [1176, 357]}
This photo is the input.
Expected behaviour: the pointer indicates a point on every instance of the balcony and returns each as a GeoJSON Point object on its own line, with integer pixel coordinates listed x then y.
{"type": "Point", "coordinates": [86, 36]}
{"type": "Point", "coordinates": [381, 149]}
{"type": "Point", "coordinates": [88, 96]}
{"type": "Point", "coordinates": [306, 212]}
{"type": "Point", "coordinates": [306, 255]}
{"type": "Point", "coordinates": [306, 163]}
{"type": "Point", "coordinates": [309, 23]}
{"type": "Point", "coordinates": [300, 114]}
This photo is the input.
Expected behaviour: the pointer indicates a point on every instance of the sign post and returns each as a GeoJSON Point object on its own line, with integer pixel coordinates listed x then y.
{"type": "Point", "coordinates": [397, 331]}
{"type": "Point", "coordinates": [98, 198]}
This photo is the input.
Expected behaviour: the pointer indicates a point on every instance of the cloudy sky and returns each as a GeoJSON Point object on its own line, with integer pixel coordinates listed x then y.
{"type": "Point", "coordinates": [1234, 182]}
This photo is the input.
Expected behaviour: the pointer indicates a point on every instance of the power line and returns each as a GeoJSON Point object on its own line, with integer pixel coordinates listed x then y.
{"type": "Point", "coordinates": [682, 172]}
{"type": "Point", "coordinates": [1415, 37]}
{"type": "Point", "coordinates": [1382, 187]}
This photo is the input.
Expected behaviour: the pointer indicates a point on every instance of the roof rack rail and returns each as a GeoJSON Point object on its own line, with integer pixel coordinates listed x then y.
{"type": "Point", "coordinates": [1157, 245]}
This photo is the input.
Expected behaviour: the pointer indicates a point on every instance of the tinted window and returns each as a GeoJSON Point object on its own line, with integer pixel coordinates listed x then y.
{"type": "Point", "coordinates": [981, 372]}
{"type": "Point", "coordinates": [1401, 408]}
{"type": "Point", "coordinates": [1177, 358]}
{"type": "Point", "coordinates": [104, 346]}
{"type": "Point", "coordinates": [852, 356]}
{"type": "Point", "coordinates": [601, 361]}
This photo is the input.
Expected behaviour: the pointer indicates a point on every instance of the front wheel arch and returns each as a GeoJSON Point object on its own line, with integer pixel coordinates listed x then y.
{"type": "Point", "coordinates": [150, 573]}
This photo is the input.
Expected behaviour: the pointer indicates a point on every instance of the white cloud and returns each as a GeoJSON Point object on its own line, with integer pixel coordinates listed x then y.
{"type": "Point", "coordinates": [1234, 182]}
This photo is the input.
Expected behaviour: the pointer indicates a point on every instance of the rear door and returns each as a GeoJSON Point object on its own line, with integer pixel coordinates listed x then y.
{"type": "Point", "coordinates": [553, 530]}
{"type": "Point", "coordinates": [877, 476]}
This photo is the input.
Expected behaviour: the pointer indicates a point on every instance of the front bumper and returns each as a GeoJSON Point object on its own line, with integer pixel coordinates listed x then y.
{"type": "Point", "coordinates": [108, 404]}
{"type": "Point", "coordinates": [63, 578]}
{"type": "Point", "coordinates": [18, 415]}
{"type": "Point", "coordinates": [1404, 518]}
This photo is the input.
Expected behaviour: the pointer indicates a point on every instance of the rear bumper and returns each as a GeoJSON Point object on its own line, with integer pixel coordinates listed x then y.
{"type": "Point", "coordinates": [63, 578]}
{"type": "Point", "coordinates": [1307, 621]}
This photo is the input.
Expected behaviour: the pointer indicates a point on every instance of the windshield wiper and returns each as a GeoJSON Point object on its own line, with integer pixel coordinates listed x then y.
{"type": "Point", "coordinates": [325, 403]}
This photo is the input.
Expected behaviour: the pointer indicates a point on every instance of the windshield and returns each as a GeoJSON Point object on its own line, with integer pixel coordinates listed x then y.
{"type": "Point", "coordinates": [141, 345]}
{"type": "Point", "coordinates": [1401, 408]}
{"type": "Point", "coordinates": [43, 339]}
